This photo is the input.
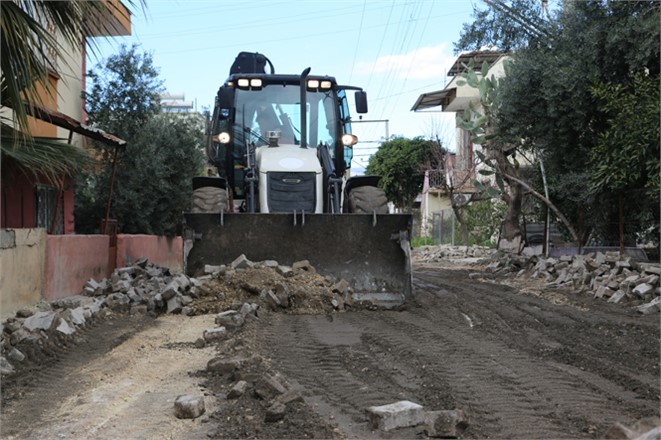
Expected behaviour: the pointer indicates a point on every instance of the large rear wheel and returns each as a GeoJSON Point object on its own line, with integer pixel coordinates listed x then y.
{"type": "Point", "coordinates": [209, 199]}
{"type": "Point", "coordinates": [367, 199]}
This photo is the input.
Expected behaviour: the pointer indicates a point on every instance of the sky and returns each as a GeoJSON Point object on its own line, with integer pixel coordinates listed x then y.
{"type": "Point", "coordinates": [394, 49]}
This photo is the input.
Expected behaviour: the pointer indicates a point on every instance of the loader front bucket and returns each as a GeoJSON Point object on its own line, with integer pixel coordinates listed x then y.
{"type": "Point", "coordinates": [371, 252]}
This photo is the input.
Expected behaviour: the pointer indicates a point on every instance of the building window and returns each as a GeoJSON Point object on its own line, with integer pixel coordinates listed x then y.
{"type": "Point", "coordinates": [49, 206]}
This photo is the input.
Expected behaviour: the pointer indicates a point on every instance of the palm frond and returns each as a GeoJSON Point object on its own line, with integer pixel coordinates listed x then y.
{"type": "Point", "coordinates": [50, 157]}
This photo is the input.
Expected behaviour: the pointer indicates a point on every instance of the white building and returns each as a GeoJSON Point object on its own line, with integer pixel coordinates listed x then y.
{"type": "Point", "coordinates": [459, 168]}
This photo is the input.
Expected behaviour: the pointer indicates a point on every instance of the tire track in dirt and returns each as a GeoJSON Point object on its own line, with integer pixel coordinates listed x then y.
{"type": "Point", "coordinates": [311, 350]}
{"type": "Point", "coordinates": [524, 397]}
{"type": "Point", "coordinates": [521, 366]}
{"type": "Point", "coordinates": [590, 346]}
{"type": "Point", "coordinates": [46, 385]}
{"type": "Point", "coordinates": [120, 382]}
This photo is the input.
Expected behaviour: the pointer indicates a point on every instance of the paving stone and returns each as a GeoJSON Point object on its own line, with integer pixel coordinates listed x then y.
{"type": "Point", "coordinates": [139, 309]}
{"type": "Point", "coordinates": [445, 424]}
{"type": "Point", "coordinates": [170, 290]}
{"type": "Point", "coordinates": [241, 262]}
{"type": "Point", "coordinates": [118, 302]}
{"type": "Point", "coordinates": [303, 265]}
{"type": "Point", "coordinates": [224, 365]}
{"type": "Point", "coordinates": [400, 414]}
{"type": "Point", "coordinates": [15, 355]}
{"type": "Point", "coordinates": [230, 319]}
{"type": "Point", "coordinates": [5, 366]}
{"type": "Point", "coordinates": [40, 321]}
{"type": "Point", "coordinates": [238, 390]}
{"type": "Point", "coordinates": [643, 289]}
{"type": "Point", "coordinates": [215, 334]}
{"type": "Point", "coordinates": [603, 291]}
{"type": "Point", "coordinates": [65, 328]}
{"type": "Point", "coordinates": [285, 271]}
{"type": "Point", "coordinates": [188, 407]}
{"type": "Point", "coordinates": [24, 312]}
{"type": "Point", "coordinates": [174, 304]}
{"type": "Point", "coordinates": [275, 412]}
{"type": "Point", "coordinates": [211, 269]}
{"type": "Point", "coordinates": [651, 268]}
{"type": "Point", "coordinates": [12, 326]}
{"type": "Point", "coordinates": [289, 396]}
{"type": "Point", "coordinates": [617, 296]}
{"type": "Point", "coordinates": [19, 336]}
{"type": "Point", "coordinates": [248, 309]}
{"type": "Point", "coordinates": [269, 386]}
{"type": "Point", "coordinates": [651, 307]}
{"type": "Point", "coordinates": [281, 291]}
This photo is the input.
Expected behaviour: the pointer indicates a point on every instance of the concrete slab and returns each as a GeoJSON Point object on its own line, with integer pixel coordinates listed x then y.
{"type": "Point", "coordinates": [400, 414]}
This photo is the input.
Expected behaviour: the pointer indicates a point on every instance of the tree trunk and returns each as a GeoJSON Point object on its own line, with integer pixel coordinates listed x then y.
{"type": "Point", "coordinates": [511, 233]}
{"type": "Point", "coordinates": [464, 227]}
{"type": "Point", "coordinates": [511, 226]}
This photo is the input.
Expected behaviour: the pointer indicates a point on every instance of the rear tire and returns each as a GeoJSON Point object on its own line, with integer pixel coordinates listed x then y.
{"type": "Point", "coordinates": [367, 199]}
{"type": "Point", "coordinates": [209, 199]}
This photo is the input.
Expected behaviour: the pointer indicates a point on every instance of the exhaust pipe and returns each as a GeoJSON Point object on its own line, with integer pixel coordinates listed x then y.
{"type": "Point", "coordinates": [304, 116]}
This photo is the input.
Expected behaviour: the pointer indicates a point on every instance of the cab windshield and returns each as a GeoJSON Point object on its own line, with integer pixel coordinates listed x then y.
{"type": "Point", "coordinates": [277, 108]}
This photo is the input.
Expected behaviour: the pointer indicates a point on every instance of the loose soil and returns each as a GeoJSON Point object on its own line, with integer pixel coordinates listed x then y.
{"type": "Point", "coordinates": [523, 362]}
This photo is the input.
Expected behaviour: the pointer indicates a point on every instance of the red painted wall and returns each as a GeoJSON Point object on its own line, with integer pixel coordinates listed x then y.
{"type": "Point", "coordinates": [71, 260]}
{"type": "Point", "coordinates": [162, 251]}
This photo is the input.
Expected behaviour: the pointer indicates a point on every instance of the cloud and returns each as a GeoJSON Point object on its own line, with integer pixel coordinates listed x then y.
{"type": "Point", "coordinates": [422, 63]}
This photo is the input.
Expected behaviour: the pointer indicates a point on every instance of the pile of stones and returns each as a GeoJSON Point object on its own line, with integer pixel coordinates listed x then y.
{"type": "Point", "coordinates": [140, 288]}
{"type": "Point", "coordinates": [431, 254]}
{"type": "Point", "coordinates": [144, 288]}
{"type": "Point", "coordinates": [608, 275]}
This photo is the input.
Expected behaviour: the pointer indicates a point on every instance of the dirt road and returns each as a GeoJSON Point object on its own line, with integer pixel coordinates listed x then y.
{"type": "Point", "coordinates": [522, 365]}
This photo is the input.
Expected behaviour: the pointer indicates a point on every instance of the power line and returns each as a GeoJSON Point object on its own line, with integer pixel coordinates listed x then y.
{"type": "Point", "coordinates": [360, 31]}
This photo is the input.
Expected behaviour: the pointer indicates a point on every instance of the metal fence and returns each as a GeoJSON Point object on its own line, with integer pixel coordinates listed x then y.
{"type": "Point", "coordinates": [443, 227]}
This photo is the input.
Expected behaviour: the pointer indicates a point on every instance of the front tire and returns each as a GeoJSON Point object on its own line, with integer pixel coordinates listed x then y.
{"type": "Point", "coordinates": [368, 199]}
{"type": "Point", "coordinates": [209, 199]}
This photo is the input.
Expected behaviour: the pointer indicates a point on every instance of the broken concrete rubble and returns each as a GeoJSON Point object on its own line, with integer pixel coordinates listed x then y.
{"type": "Point", "coordinates": [607, 276]}
{"type": "Point", "coordinates": [188, 407]}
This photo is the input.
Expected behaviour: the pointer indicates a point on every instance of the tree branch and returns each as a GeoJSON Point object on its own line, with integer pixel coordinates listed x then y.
{"type": "Point", "coordinates": [550, 204]}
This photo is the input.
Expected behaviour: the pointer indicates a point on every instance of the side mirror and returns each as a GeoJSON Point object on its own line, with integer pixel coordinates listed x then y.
{"type": "Point", "coordinates": [361, 102]}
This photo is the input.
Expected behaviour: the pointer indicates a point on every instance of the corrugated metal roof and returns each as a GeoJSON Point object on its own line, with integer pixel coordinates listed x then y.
{"type": "Point", "coordinates": [434, 99]}
{"type": "Point", "coordinates": [480, 56]}
{"type": "Point", "coordinates": [64, 121]}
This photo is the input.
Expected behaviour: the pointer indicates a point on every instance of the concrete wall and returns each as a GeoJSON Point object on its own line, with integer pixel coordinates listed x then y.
{"type": "Point", "coordinates": [433, 201]}
{"type": "Point", "coordinates": [71, 260]}
{"type": "Point", "coordinates": [21, 268]}
{"type": "Point", "coordinates": [162, 251]}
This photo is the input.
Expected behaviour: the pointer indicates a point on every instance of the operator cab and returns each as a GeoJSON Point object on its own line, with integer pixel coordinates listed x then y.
{"type": "Point", "coordinates": [254, 111]}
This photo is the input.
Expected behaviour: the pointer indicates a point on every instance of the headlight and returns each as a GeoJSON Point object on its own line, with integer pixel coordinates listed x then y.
{"type": "Point", "coordinates": [325, 84]}
{"type": "Point", "coordinates": [243, 82]}
{"type": "Point", "coordinates": [349, 139]}
{"type": "Point", "coordinates": [313, 84]}
{"type": "Point", "coordinates": [223, 137]}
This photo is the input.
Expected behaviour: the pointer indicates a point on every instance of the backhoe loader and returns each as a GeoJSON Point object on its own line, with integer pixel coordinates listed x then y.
{"type": "Point", "coordinates": [282, 148]}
